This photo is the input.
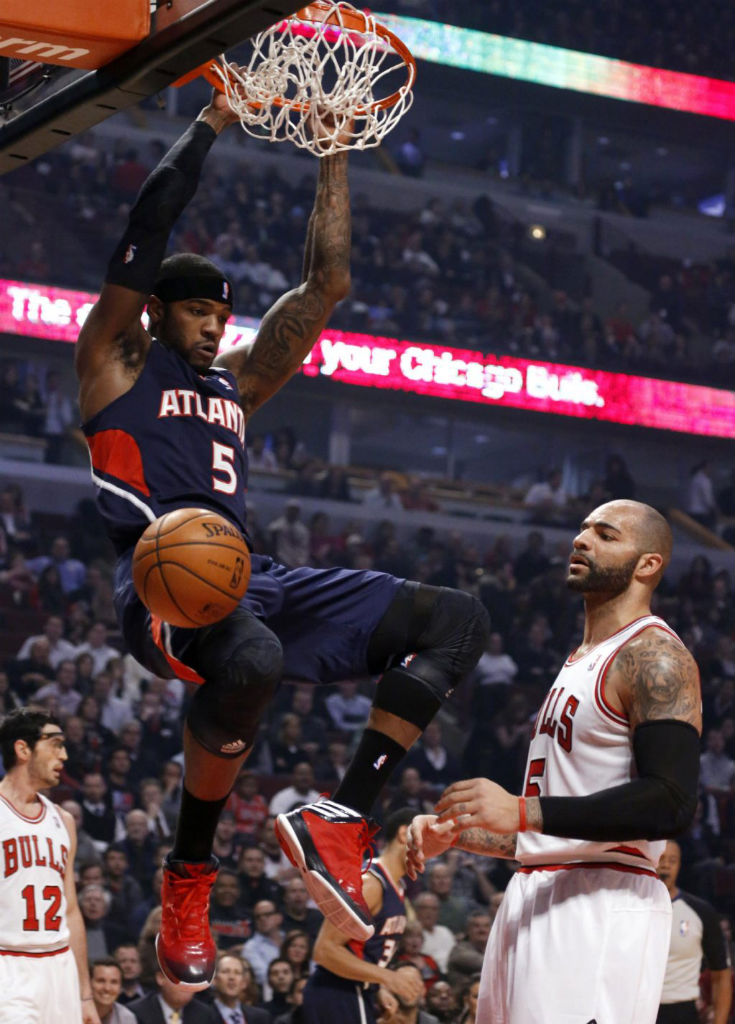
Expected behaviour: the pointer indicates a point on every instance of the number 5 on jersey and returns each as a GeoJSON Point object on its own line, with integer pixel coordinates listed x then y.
{"type": "Point", "coordinates": [223, 458]}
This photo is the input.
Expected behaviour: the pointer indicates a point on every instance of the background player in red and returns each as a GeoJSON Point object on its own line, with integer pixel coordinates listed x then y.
{"type": "Point", "coordinates": [343, 986]}
{"type": "Point", "coordinates": [164, 420]}
{"type": "Point", "coordinates": [44, 977]}
{"type": "Point", "coordinates": [614, 755]}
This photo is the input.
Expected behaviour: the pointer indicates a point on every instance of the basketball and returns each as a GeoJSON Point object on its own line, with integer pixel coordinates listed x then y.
{"type": "Point", "coordinates": [191, 567]}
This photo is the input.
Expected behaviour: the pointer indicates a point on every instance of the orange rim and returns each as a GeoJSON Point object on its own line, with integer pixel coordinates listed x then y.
{"type": "Point", "coordinates": [320, 12]}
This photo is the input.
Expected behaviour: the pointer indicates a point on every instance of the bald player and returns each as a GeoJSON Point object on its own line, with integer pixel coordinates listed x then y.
{"type": "Point", "coordinates": [582, 934]}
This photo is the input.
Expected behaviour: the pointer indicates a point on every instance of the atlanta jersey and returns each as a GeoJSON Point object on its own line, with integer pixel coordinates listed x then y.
{"type": "Point", "coordinates": [33, 858]}
{"type": "Point", "coordinates": [328, 998]}
{"type": "Point", "coordinates": [580, 745]}
{"type": "Point", "coordinates": [176, 439]}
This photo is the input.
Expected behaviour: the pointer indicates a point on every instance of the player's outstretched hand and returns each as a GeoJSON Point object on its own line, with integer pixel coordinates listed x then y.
{"type": "Point", "coordinates": [427, 838]}
{"type": "Point", "coordinates": [479, 803]}
{"type": "Point", "coordinates": [406, 985]}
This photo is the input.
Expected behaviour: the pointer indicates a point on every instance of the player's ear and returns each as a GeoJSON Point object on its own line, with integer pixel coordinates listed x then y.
{"type": "Point", "coordinates": [154, 309]}
{"type": "Point", "coordinates": [650, 566]}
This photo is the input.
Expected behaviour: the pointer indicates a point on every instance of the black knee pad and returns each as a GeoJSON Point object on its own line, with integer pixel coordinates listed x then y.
{"type": "Point", "coordinates": [442, 633]}
{"type": "Point", "coordinates": [241, 662]}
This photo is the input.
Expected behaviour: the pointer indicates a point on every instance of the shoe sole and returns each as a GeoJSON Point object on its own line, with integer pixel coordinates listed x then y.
{"type": "Point", "coordinates": [198, 986]}
{"type": "Point", "coordinates": [330, 899]}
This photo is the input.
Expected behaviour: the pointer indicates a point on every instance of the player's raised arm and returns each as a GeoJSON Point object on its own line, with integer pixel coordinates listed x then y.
{"type": "Point", "coordinates": [293, 324]}
{"type": "Point", "coordinates": [112, 344]}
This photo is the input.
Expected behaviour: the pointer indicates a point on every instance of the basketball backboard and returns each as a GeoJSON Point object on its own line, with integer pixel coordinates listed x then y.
{"type": "Point", "coordinates": [184, 34]}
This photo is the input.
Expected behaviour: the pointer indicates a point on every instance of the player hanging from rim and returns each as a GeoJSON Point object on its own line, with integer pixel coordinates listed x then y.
{"type": "Point", "coordinates": [344, 984]}
{"type": "Point", "coordinates": [44, 977]}
{"type": "Point", "coordinates": [582, 933]}
{"type": "Point", "coordinates": [165, 431]}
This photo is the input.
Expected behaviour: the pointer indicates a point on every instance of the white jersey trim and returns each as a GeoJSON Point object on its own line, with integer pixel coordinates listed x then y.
{"type": "Point", "coordinates": [105, 485]}
{"type": "Point", "coordinates": [23, 817]}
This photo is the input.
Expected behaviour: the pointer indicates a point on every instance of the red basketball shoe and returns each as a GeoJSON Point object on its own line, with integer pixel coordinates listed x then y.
{"type": "Point", "coordinates": [184, 946]}
{"type": "Point", "coordinates": [326, 841]}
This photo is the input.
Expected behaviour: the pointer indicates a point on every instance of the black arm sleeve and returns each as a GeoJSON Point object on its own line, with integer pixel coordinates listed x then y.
{"type": "Point", "coordinates": [659, 804]}
{"type": "Point", "coordinates": [165, 193]}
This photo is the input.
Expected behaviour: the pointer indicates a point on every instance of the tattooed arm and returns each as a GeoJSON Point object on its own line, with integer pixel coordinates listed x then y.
{"type": "Point", "coordinates": [428, 837]}
{"type": "Point", "coordinates": [654, 677]}
{"type": "Point", "coordinates": [291, 327]}
{"type": "Point", "coordinates": [654, 681]}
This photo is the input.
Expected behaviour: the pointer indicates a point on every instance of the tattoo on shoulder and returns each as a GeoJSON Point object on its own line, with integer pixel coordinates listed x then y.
{"type": "Point", "coordinates": [489, 844]}
{"type": "Point", "coordinates": [660, 679]}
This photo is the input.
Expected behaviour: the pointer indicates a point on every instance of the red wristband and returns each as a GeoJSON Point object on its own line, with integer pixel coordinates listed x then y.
{"type": "Point", "coordinates": [522, 822]}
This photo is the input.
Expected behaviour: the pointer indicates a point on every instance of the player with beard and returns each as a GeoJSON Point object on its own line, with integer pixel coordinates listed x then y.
{"type": "Point", "coordinates": [582, 934]}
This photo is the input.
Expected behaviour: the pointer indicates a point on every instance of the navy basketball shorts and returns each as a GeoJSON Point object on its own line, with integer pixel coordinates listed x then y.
{"type": "Point", "coordinates": [324, 619]}
{"type": "Point", "coordinates": [336, 1001]}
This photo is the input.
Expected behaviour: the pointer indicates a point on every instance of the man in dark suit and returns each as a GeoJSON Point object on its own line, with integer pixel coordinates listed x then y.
{"type": "Point", "coordinates": [226, 987]}
{"type": "Point", "coordinates": [171, 1004]}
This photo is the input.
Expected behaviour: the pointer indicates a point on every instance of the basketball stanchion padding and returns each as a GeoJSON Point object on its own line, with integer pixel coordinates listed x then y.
{"type": "Point", "coordinates": [191, 567]}
{"type": "Point", "coordinates": [329, 79]}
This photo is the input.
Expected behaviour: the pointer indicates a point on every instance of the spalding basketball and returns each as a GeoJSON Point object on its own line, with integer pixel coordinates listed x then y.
{"type": "Point", "coordinates": [191, 567]}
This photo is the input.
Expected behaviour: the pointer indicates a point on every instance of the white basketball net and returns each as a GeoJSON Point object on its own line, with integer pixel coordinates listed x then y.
{"type": "Point", "coordinates": [321, 84]}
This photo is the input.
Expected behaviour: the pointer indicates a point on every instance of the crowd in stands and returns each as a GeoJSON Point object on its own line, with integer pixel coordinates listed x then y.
{"type": "Point", "coordinates": [450, 272]}
{"type": "Point", "coordinates": [674, 35]}
{"type": "Point", "coordinates": [122, 781]}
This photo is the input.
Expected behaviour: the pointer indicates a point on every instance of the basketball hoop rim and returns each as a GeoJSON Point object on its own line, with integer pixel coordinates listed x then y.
{"type": "Point", "coordinates": [321, 12]}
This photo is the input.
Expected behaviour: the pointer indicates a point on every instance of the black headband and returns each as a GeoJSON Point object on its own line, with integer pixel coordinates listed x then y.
{"type": "Point", "coordinates": [195, 286]}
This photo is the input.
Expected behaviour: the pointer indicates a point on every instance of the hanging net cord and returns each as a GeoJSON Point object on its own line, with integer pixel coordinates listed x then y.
{"type": "Point", "coordinates": [320, 84]}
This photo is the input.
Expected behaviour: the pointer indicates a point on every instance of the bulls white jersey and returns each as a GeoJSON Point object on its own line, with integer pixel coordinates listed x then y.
{"type": "Point", "coordinates": [580, 745]}
{"type": "Point", "coordinates": [33, 856]}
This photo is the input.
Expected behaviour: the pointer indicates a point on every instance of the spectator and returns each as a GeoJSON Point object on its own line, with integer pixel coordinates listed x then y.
{"type": "Point", "coordinates": [347, 708]}
{"type": "Point", "coordinates": [438, 940]}
{"type": "Point", "coordinates": [431, 759]}
{"type": "Point", "coordinates": [286, 749]}
{"type": "Point", "coordinates": [14, 517]}
{"type": "Point", "coordinates": [280, 979]}
{"type": "Point", "coordinates": [62, 689]}
{"type": "Point", "coordinates": [618, 482]}
{"type": "Point", "coordinates": [701, 503]}
{"type": "Point", "coordinates": [230, 922]}
{"type": "Point", "coordinates": [532, 560]}
{"type": "Point", "coordinates": [59, 416]}
{"type": "Point", "coordinates": [140, 847]}
{"type": "Point", "coordinates": [27, 675]}
{"type": "Point", "coordinates": [248, 806]}
{"type": "Point", "coordinates": [127, 958]}
{"type": "Point", "coordinates": [72, 572]}
{"type": "Point", "coordinates": [87, 852]}
{"type": "Point", "coordinates": [126, 893]}
{"type": "Point", "coordinates": [469, 1001]}
{"type": "Point", "coordinates": [716, 779]}
{"type": "Point", "coordinates": [259, 456]}
{"type": "Point", "coordinates": [172, 778]}
{"type": "Point", "coordinates": [106, 980]}
{"type": "Point", "coordinates": [547, 500]}
{"type": "Point", "coordinates": [335, 486]}
{"type": "Point", "coordinates": [226, 846]}
{"type": "Point", "coordinates": [495, 668]}
{"type": "Point", "coordinates": [103, 935]}
{"type": "Point", "coordinates": [469, 952]}
{"type": "Point", "coordinates": [168, 999]}
{"type": "Point", "coordinates": [410, 157]}
{"type": "Point", "coordinates": [296, 950]}
{"type": "Point", "coordinates": [452, 909]}
{"type": "Point", "coordinates": [411, 953]}
{"type": "Point", "coordinates": [409, 794]}
{"type": "Point", "coordinates": [265, 945]}
{"type": "Point", "coordinates": [255, 885]}
{"type": "Point", "coordinates": [96, 645]}
{"type": "Point", "coordinates": [442, 1002]}
{"type": "Point", "coordinates": [297, 914]}
{"type": "Point", "coordinates": [229, 981]}
{"type": "Point", "coordinates": [385, 495]}
{"type": "Point", "coordinates": [301, 791]}
{"type": "Point", "coordinates": [289, 537]}
{"type": "Point", "coordinates": [98, 739]}
{"type": "Point", "coordinates": [59, 649]}
{"type": "Point", "coordinates": [98, 816]}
